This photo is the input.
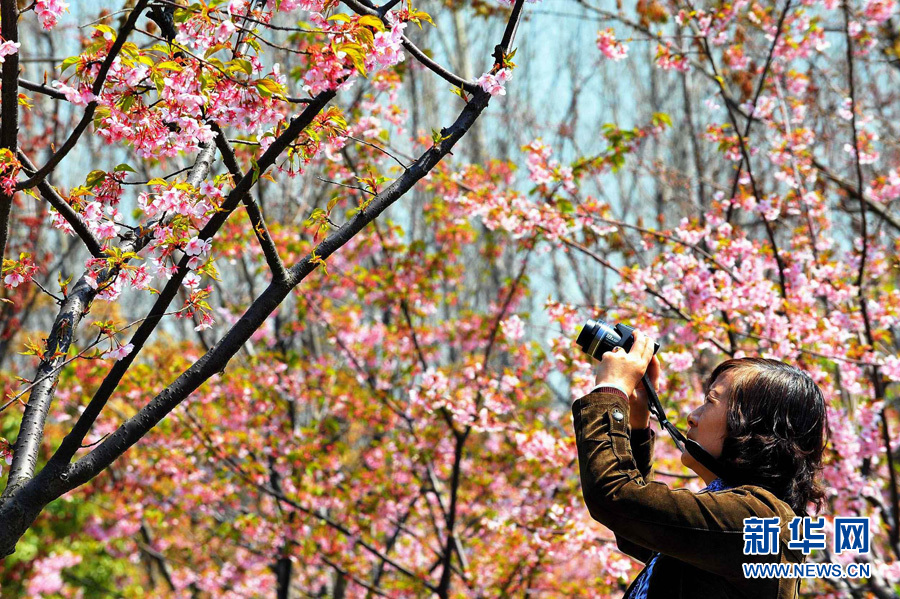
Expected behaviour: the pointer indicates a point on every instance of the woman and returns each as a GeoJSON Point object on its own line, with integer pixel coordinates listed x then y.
{"type": "Point", "coordinates": [764, 419]}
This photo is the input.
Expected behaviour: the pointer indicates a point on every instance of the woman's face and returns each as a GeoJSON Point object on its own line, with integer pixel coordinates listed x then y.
{"type": "Point", "coordinates": [707, 424]}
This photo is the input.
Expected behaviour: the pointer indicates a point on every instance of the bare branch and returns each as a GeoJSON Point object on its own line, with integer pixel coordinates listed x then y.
{"type": "Point", "coordinates": [59, 203]}
{"type": "Point", "coordinates": [9, 108]}
{"type": "Point", "coordinates": [877, 384]}
{"type": "Point", "coordinates": [871, 204]}
{"type": "Point", "coordinates": [41, 89]}
{"type": "Point", "coordinates": [31, 429]}
{"type": "Point", "coordinates": [215, 360]}
{"type": "Point", "coordinates": [270, 251]}
{"type": "Point", "coordinates": [782, 280]}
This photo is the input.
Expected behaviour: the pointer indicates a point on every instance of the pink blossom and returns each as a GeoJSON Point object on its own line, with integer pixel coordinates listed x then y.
{"type": "Point", "coordinates": [389, 45]}
{"type": "Point", "coordinates": [140, 278]}
{"type": "Point", "coordinates": [49, 11]}
{"type": "Point", "coordinates": [224, 31]}
{"type": "Point", "coordinates": [607, 44]}
{"type": "Point", "coordinates": [677, 361]}
{"type": "Point", "coordinates": [494, 84]}
{"type": "Point", "coordinates": [513, 328]}
{"type": "Point", "coordinates": [891, 368]}
{"type": "Point", "coordinates": [106, 230]}
{"type": "Point", "coordinates": [879, 11]}
{"type": "Point", "coordinates": [7, 49]}
{"type": "Point", "coordinates": [93, 212]}
{"type": "Point", "coordinates": [206, 321]}
{"type": "Point", "coordinates": [120, 352]}
{"type": "Point", "coordinates": [314, 6]}
{"type": "Point", "coordinates": [197, 247]}
{"type": "Point", "coordinates": [13, 279]}
{"type": "Point", "coordinates": [47, 578]}
{"type": "Point", "coordinates": [543, 446]}
{"type": "Point", "coordinates": [668, 61]}
{"type": "Point", "coordinates": [82, 95]}
{"type": "Point", "coordinates": [191, 280]}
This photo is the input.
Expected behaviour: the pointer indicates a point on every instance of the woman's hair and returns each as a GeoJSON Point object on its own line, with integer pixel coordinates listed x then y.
{"type": "Point", "coordinates": [776, 429]}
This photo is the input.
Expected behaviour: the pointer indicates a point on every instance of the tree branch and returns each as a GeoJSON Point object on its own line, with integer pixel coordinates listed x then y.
{"type": "Point", "coordinates": [877, 383]}
{"type": "Point", "coordinates": [9, 108]}
{"type": "Point", "coordinates": [215, 360]}
{"type": "Point", "coordinates": [59, 203]}
{"type": "Point", "coordinates": [851, 190]}
{"type": "Point", "coordinates": [31, 429]}
{"type": "Point", "coordinates": [41, 89]}
{"type": "Point", "coordinates": [270, 251]}
{"type": "Point", "coordinates": [759, 88]}
{"type": "Point", "coordinates": [770, 233]}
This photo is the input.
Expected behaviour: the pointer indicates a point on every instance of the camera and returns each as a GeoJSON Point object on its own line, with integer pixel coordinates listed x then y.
{"type": "Point", "coordinates": [597, 337]}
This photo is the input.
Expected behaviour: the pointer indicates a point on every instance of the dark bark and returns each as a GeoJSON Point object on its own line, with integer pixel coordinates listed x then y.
{"type": "Point", "coordinates": [9, 109]}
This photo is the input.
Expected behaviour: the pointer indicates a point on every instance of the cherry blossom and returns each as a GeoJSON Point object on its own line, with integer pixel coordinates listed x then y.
{"type": "Point", "coordinates": [119, 352]}
{"type": "Point", "coordinates": [494, 83]}
{"type": "Point", "coordinates": [609, 46]}
{"type": "Point", "coordinates": [8, 48]}
{"type": "Point", "coordinates": [49, 11]}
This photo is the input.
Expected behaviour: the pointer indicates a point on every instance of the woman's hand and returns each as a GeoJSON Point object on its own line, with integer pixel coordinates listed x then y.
{"type": "Point", "coordinates": [625, 369]}
{"type": "Point", "coordinates": [639, 408]}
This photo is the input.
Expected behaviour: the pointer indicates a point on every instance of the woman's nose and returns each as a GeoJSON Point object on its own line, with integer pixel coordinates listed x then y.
{"type": "Point", "coordinates": [692, 419]}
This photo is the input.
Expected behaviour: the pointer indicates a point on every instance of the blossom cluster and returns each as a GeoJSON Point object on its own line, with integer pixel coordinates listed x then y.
{"type": "Point", "coordinates": [49, 11]}
{"type": "Point", "coordinates": [495, 83]}
{"type": "Point", "coordinates": [8, 48]}
{"type": "Point", "coordinates": [352, 48]}
{"type": "Point", "coordinates": [609, 46]}
{"type": "Point", "coordinates": [16, 272]}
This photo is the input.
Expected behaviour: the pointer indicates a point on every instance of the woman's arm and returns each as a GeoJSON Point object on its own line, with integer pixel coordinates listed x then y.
{"type": "Point", "coordinates": [642, 441]}
{"type": "Point", "coordinates": [703, 529]}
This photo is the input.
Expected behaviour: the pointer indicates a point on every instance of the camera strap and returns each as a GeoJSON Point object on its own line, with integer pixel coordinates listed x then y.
{"type": "Point", "coordinates": [726, 473]}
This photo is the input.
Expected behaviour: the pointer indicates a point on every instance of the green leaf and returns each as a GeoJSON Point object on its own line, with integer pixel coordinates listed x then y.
{"type": "Point", "coordinates": [242, 64]}
{"type": "Point", "coordinates": [69, 62]}
{"type": "Point", "coordinates": [106, 29]}
{"type": "Point", "coordinates": [267, 88]}
{"type": "Point", "coordinates": [169, 65]}
{"type": "Point", "coordinates": [356, 57]}
{"type": "Point", "coordinates": [662, 117]}
{"type": "Point", "coordinates": [95, 178]}
{"type": "Point", "coordinates": [372, 21]}
{"type": "Point", "coordinates": [126, 103]}
{"type": "Point", "coordinates": [124, 168]}
{"type": "Point", "coordinates": [565, 206]}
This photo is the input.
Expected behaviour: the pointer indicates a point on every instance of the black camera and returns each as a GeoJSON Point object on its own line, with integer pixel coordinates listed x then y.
{"type": "Point", "coordinates": [597, 337]}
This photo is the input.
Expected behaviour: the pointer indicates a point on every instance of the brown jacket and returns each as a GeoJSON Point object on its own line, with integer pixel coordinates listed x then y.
{"type": "Point", "coordinates": [699, 535]}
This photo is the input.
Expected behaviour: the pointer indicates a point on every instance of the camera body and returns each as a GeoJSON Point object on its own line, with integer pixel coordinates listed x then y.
{"type": "Point", "coordinates": [597, 337]}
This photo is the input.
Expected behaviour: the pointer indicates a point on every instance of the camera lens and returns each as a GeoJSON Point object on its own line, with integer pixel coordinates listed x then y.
{"type": "Point", "coordinates": [597, 337]}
